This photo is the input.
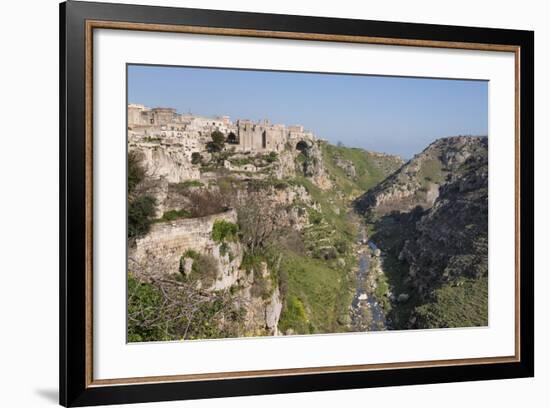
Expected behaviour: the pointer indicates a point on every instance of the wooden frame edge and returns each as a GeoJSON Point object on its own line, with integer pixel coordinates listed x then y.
{"type": "Point", "coordinates": [91, 24]}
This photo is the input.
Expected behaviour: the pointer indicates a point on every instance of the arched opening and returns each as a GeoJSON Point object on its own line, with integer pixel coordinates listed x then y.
{"type": "Point", "coordinates": [264, 140]}
{"type": "Point", "coordinates": [232, 138]}
{"type": "Point", "coordinates": [302, 146]}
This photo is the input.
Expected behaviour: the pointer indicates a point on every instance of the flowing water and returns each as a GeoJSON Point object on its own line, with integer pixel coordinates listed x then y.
{"type": "Point", "coordinates": [366, 314]}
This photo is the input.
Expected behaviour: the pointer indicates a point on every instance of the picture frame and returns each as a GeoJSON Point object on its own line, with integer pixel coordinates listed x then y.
{"type": "Point", "coordinates": [79, 21]}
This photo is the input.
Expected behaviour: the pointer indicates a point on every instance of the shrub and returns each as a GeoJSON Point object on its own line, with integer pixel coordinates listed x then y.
{"type": "Point", "coordinates": [326, 253]}
{"type": "Point", "coordinates": [144, 300]}
{"type": "Point", "coordinates": [140, 215]}
{"type": "Point", "coordinates": [196, 158]}
{"type": "Point", "coordinates": [294, 317]}
{"type": "Point", "coordinates": [224, 231]}
{"type": "Point", "coordinates": [174, 215]}
{"type": "Point", "coordinates": [217, 143]}
{"type": "Point", "coordinates": [186, 185]}
{"type": "Point", "coordinates": [206, 202]}
{"type": "Point", "coordinates": [315, 217]}
{"type": "Point", "coordinates": [341, 246]}
{"type": "Point", "coordinates": [136, 172]}
{"type": "Point", "coordinates": [271, 157]}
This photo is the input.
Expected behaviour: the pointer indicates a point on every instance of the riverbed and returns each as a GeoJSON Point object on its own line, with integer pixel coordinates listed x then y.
{"type": "Point", "coordinates": [366, 313]}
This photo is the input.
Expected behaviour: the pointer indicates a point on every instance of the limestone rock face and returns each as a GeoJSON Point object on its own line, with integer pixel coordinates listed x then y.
{"type": "Point", "coordinates": [159, 254]}
{"type": "Point", "coordinates": [170, 163]}
{"type": "Point", "coordinates": [166, 242]}
{"type": "Point", "coordinates": [452, 236]}
{"type": "Point", "coordinates": [313, 166]}
{"type": "Point", "coordinates": [347, 166]}
{"type": "Point", "coordinates": [418, 182]}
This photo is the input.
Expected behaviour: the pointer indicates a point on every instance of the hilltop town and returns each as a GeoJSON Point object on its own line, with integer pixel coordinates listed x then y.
{"type": "Point", "coordinates": [192, 132]}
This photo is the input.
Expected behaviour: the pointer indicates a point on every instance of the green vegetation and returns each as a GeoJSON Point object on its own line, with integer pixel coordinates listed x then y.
{"type": "Point", "coordinates": [370, 169]}
{"type": "Point", "coordinates": [186, 185]}
{"type": "Point", "coordinates": [196, 158]}
{"type": "Point", "coordinates": [461, 304]}
{"type": "Point", "coordinates": [150, 139]}
{"type": "Point", "coordinates": [319, 283]}
{"type": "Point", "coordinates": [174, 215]}
{"type": "Point", "coordinates": [136, 172]}
{"type": "Point", "coordinates": [224, 231]}
{"type": "Point", "coordinates": [382, 290]}
{"type": "Point", "coordinates": [271, 157]}
{"type": "Point", "coordinates": [143, 300]}
{"type": "Point", "coordinates": [316, 295]}
{"type": "Point", "coordinates": [141, 206]}
{"type": "Point", "coordinates": [187, 316]}
{"type": "Point", "coordinates": [204, 267]}
{"type": "Point", "coordinates": [217, 143]}
{"type": "Point", "coordinates": [241, 161]}
{"type": "Point", "coordinates": [295, 317]}
{"type": "Point", "coordinates": [140, 215]}
{"type": "Point", "coordinates": [431, 171]}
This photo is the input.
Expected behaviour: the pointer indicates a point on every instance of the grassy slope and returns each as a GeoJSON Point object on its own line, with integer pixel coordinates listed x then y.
{"type": "Point", "coordinates": [463, 305]}
{"type": "Point", "coordinates": [370, 168]}
{"type": "Point", "coordinates": [320, 291]}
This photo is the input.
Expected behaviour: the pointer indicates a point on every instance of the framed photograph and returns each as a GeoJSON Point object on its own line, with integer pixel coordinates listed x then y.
{"type": "Point", "coordinates": [256, 204]}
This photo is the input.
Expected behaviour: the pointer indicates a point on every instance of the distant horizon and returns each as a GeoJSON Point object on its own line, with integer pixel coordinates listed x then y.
{"type": "Point", "coordinates": [392, 115]}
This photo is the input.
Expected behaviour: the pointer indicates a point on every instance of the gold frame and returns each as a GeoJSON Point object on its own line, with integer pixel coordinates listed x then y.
{"type": "Point", "coordinates": [99, 24]}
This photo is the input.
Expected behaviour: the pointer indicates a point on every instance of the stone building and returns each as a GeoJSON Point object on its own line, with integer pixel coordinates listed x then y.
{"type": "Point", "coordinates": [193, 132]}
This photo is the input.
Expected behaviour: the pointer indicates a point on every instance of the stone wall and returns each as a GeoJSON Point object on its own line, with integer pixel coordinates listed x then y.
{"type": "Point", "coordinates": [159, 252]}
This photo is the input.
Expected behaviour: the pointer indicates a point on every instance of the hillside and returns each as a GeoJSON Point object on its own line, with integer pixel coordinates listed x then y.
{"type": "Point", "coordinates": [417, 182]}
{"type": "Point", "coordinates": [430, 220]}
{"type": "Point", "coordinates": [260, 243]}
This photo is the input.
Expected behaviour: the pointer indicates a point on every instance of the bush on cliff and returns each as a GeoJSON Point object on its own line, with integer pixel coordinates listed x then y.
{"type": "Point", "coordinates": [224, 231]}
{"type": "Point", "coordinates": [140, 215]}
{"type": "Point", "coordinates": [136, 172]}
{"type": "Point", "coordinates": [217, 143]}
{"type": "Point", "coordinates": [141, 206]}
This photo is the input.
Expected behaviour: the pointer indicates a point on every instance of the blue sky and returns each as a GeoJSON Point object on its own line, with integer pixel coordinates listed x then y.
{"type": "Point", "coordinates": [394, 115]}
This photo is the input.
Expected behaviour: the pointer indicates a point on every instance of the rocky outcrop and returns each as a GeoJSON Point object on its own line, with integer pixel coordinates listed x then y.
{"type": "Point", "coordinates": [452, 236]}
{"type": "Point", "coordinates": [170, 247]}
{"type": "Point", "coordinates": [159, 252]}
{"type": "Point", "coordinates": [417, 182]}
{"type": "Point", "coordinates": [347, 166]}
{"type": "Point", "coordinates": [167, 162]}
{"type": "Point", "coordinates": [312, 164]}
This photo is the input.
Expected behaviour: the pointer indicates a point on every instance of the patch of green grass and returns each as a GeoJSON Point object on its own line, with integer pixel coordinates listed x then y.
{"type": "Point", "coordinates": [294, 317]}
{"type": "Point", "coordinates": [143, 300]}
{"type": "Point", "coordinates": [317, 294]}
{"type": "Point", "coordinates": [461, 304]}
{"type": "Point", "coordinates": [173, 215]}
{"type": "Point", "coordinates": [381, 292]}
{"type": "Point", "coordinates": [271, 157]}
{"type": "Point", "coordinates": [370, 169]}
{"type": "Point", "coordinates": [431, 171]}
{"type": "Point", "coordinates": [184, 185]}
{"type": "Point", "coordinates": [241, 161]}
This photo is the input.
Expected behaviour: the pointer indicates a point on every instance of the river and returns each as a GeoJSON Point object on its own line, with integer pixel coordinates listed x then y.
{"type": "Point", "coordinates": [366, 313]}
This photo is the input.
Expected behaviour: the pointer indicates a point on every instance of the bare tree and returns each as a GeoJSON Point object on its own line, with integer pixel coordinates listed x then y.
{"type": "Point", "coordinates": [174, 308]}
{"type": "Point", "coordinates": [261, 218]}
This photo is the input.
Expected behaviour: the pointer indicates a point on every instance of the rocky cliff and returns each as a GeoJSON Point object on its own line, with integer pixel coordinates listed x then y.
{"type": "Point", "coordinates": [189, 250]}
{"type": "Point", "coordinates": [436, 246]}
{"type": "Point", "coordinates": [418, 181]}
